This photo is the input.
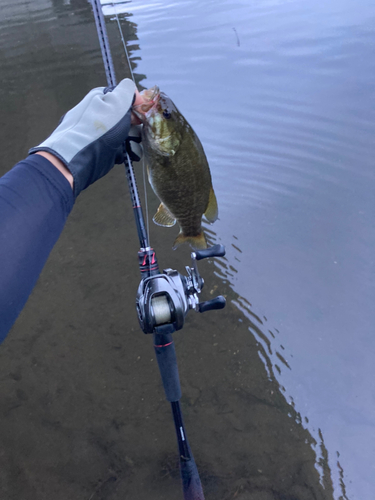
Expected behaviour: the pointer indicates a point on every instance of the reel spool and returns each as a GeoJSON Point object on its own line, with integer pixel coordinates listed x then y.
{"type": "Point", "coordinates": [161, 309]}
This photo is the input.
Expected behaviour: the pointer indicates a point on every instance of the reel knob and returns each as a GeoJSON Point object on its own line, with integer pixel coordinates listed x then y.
{"type": "Point", "coordinates": [214, 251]}
{"type": "Point", "coordinates": [216, 303]}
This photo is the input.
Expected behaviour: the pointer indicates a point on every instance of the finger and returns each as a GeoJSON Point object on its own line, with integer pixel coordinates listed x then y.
{"type": "Point", "coordinates": [122, 96]}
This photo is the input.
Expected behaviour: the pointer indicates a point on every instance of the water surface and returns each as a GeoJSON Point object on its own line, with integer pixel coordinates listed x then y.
{"type": "Point", "coordinates": [278, 386]}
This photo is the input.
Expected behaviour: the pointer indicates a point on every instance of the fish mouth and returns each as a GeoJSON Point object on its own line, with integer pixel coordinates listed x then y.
{"type": "Point", "coordinates": [151, 99]}
{"type": "Point", "coordinates": [151, 93]}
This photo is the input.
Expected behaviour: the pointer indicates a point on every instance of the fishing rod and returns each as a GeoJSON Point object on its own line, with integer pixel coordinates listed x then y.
{"type": "Point", "coordinates": [163, 299]}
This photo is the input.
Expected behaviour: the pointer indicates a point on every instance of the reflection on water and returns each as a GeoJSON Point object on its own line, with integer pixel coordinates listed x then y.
{"type": "Point", "coordinates": [265, 382]}
{"type": "Point", "coordinates": [272, 354]}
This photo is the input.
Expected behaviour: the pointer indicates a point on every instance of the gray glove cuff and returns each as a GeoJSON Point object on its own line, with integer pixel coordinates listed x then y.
{"type": "Point", "coordinates": [90, 135]}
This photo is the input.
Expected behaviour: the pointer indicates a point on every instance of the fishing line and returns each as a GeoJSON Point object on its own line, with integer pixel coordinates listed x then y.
{"type": "Point", "coordinates": [123, 41]}
{"type": "Point", "coordinates": [146, 201]}
{"type": "Point", "coordinates": [143, 163]}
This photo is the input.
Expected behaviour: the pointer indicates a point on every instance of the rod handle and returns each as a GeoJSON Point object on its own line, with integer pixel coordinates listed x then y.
{"type": "Point", "coordinates": [216, 303]}
{"type": "Point", "coordinates": [215, 251]}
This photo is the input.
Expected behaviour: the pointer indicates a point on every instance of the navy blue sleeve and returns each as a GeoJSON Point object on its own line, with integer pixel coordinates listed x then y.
{"type": "Point", "coordinates": [35, 201]}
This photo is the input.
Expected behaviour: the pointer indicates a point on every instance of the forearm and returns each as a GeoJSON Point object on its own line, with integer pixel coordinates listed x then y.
{"type": "Point", "coordinates": [59, 165]}
{"type": "Point", "coordinates": [35, 200]}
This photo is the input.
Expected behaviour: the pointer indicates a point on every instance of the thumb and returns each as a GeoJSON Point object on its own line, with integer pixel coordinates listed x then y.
{"type": "Point", "coordinates": [121, 96]}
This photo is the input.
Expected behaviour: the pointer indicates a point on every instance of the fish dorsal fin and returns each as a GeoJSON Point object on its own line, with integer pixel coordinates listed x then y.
{"type": "Point", "coordinates": [163, 217]}
{"type": "Point", "coordinates": [211, 212]}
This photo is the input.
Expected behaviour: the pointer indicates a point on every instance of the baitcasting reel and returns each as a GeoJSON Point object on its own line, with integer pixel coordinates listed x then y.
{"type": "Point", "coordinates": [163, 300]}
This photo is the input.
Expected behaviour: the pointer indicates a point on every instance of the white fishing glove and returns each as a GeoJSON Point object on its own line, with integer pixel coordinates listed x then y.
{"type": "Point", "coordinates": [89, 139]}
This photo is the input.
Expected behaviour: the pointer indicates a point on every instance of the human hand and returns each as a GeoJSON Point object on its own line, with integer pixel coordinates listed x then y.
{"type": "Point", "coordinates": [89, 139]}
{"type": "Point", "coordinates": [138, 101]}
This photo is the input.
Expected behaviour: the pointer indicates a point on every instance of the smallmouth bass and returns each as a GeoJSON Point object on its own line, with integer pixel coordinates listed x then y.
{"type": "Point", "coordinates": [177, 169]}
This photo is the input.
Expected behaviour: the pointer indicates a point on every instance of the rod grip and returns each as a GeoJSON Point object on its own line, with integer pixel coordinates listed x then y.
{"type": "Point", "coordinates": [167, 361]}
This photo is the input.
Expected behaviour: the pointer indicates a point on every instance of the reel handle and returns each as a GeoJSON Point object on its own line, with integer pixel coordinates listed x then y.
{"type": "Point", "coordinates": [216, 303]}
{"type": "Point", "coordinates": [214, 251]}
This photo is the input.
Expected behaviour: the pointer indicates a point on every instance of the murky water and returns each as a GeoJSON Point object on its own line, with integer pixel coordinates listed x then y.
{"type": "Point", "coordinates": [278, 387]}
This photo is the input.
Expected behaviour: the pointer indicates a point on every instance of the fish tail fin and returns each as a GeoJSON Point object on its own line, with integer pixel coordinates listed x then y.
{"type": "Point", "coordinates": [198, 242]}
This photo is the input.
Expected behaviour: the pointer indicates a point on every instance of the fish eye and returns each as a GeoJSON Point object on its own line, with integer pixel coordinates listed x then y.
{"type": "Point", "coordinates": [166, 114]}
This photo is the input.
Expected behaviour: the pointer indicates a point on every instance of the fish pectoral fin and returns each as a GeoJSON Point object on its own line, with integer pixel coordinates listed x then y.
{"type": "Point", "coordinates": [163, 217]}
{"type": "Point", "coordinates": [211, 212]}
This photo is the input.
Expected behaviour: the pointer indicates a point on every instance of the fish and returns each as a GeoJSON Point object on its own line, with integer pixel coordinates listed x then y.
{"type": "Point", "coordinates": [177, 169]}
